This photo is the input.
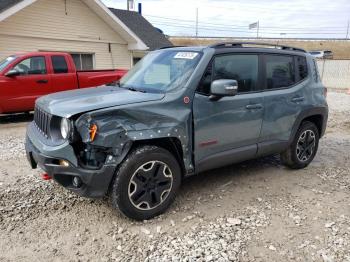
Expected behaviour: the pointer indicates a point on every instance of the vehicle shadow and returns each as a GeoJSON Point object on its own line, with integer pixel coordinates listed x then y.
{"type": "Point", "coordinates": [16, 118]}
{"type": "Point", "coordinates": [204, 187]}
{"type": "Point", "coordinates": [226, 175]}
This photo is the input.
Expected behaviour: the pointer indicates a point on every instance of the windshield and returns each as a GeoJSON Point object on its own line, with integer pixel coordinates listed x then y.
{"type": "Point", "coordinates": [161, 71]}
{"type": "Point", "coordinates": [6, 62]}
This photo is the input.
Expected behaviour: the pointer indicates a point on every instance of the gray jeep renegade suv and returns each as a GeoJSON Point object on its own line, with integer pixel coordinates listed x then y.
{"type": "Point", "coordinates": [178, 112]}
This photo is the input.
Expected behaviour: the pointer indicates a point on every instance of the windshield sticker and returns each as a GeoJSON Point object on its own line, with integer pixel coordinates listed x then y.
{"type": "Point", "coordinates": [186, 55]}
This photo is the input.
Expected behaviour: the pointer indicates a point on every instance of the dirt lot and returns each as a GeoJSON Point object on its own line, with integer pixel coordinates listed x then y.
{"type": "Point", "coordinates": [254, 211]}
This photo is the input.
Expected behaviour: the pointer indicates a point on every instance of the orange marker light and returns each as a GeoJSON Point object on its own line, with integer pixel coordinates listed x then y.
{"type": "Point", "coordinates": [92, 132]}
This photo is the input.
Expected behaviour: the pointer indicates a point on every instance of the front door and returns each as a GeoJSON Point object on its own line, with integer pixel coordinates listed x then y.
{"type": "Point", "coordinates": [24, 89]}
{"type": "Point", "coordinates": [227, 130]}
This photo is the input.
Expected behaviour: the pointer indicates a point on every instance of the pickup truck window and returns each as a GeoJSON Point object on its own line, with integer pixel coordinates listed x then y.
{"type": "Point", "coordinates": [159, 72]}
{"type": "Point", "coordinates": [59, 64]}
{"type": "Point", "coordinates": [6, 62]}
{"type": "Point", "coordinates": [32, 66]}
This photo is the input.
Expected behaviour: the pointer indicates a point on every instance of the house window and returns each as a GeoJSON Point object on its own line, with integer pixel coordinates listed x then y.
{"type": "Point", "coordinates": [83, 61]}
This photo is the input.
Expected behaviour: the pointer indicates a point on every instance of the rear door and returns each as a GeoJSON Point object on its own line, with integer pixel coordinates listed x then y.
{"type": "Point", "coordinates": [24, 89]}
{"type": "Point", "coordinates": [63, 75]}
{"type": "Point", "coordinates": [227, 130]}
{"type": "Point", "coordinates": [284, 98]}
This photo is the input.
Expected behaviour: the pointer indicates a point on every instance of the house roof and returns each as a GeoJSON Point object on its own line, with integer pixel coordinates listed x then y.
{"type": "Point", "coordinates": [5, 4]}
{"type": "Point", "coordinates": [142, 28]}
{"type": "Point", "coordinates": [11, 7]}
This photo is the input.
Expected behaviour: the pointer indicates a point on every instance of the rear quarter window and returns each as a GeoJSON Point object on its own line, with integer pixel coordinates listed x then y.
{"type": "Point", "coordinates": [302, 67]}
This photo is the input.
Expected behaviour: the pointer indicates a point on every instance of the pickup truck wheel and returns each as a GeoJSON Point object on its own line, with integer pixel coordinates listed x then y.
{"type": "Point", "coordinates": [146, 183]}
{"type": "Point", "coordinates": [303, 148]}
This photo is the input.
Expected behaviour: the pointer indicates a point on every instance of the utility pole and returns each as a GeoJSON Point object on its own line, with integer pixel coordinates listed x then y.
{"type": "Point", "coordinates": [347, 30]}
{"type": "Point", "coordinates": [197, 22]}
{"type": "Point", "coordinates": [257, 30]}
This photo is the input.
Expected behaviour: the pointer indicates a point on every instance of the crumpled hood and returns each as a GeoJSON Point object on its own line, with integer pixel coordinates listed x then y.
{"type": "Point", "coordinates": [68, 103]}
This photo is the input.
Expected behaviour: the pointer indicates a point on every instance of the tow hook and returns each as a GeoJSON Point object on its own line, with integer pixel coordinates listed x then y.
{"type": "Point", "coordinates": [45, 176]}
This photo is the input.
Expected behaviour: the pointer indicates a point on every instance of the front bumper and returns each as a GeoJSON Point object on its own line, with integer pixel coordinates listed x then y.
{"type": "Point", "coordinates": [95, 183]}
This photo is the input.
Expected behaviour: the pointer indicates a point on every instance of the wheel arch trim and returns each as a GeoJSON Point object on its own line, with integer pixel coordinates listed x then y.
{"type": "Point", "coordinates": [311, 112]}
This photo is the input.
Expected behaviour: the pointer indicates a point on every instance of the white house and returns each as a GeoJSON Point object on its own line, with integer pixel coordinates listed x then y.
{"type": "Point", "coordinates": [96, 36]}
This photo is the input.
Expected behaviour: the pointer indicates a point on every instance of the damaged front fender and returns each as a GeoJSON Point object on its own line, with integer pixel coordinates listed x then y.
{"type": "Point", "coordinates": [119, 128]}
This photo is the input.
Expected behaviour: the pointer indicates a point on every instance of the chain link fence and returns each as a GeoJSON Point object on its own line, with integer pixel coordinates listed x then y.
{"type": "Point", "coordinates": [335, 73]}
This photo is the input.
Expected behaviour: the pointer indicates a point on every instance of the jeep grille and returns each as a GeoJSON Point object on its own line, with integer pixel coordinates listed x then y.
{"type": "Point", "coordinates": [42, 121]}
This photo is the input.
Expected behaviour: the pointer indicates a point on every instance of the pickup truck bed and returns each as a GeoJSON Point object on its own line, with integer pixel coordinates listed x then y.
{"type": "Point", "coordinates": [98, 77]}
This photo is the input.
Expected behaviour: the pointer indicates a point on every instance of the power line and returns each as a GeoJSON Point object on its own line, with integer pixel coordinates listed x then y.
{"type": "Point", "coordinates": [177, 20]}
{"type": "Point", "coordinates": [244, 31]}
{"type": "Point", "coordinates": [239, 26]}
{"type": "Point", "coordinates": [291, 8]}
{"type": "Point", "coordinates": [229, 28]}
{"type": "Point", "coordinates": [246, 28]}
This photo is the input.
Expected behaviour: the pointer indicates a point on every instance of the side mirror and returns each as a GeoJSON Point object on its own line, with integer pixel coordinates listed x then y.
{"type": "Point", "coordinates": [12, 73]}
{"type": "Point", "coordinates": [223, 87]}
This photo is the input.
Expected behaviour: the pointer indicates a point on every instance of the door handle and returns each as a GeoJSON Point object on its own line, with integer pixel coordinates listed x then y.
{"type": "Point", "coordinates": [42, 81]}
{"type": "Point", "coordinates": [254, 106]}
{"type": "Point", "coordinates": [298, 99]}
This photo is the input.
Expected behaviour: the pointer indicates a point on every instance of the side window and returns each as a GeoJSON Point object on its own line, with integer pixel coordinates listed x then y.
{"type": "Point", "coordinates": [32, 66]}
{"type": "Point", "coordinates": [59, 64]}
{"type": "Point", "coordinates": [243, 68]}
{"type": "Point", "coordinates": [302, 67]}
{"type": "Point", "coordinates": [204, 86]}
{"type": "Point", "coordinates": [280, 71]}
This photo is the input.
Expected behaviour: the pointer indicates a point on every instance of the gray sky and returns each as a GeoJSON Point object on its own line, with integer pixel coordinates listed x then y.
{"type": "Point", "coordinates": [293, 18]}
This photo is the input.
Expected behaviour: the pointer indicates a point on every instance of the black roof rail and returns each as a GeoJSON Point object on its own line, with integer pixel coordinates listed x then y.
{"type": "Point", "coordinates": [240, 44]}
{"type": "Point", "coordinates": [171, 46]}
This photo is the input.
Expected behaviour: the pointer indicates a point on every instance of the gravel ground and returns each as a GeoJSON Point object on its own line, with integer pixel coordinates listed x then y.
{"type": "Point", "coordinates": [254, 211]}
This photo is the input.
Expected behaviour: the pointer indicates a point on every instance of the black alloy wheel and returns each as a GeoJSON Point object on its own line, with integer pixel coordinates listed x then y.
{"type": "Point", "coordinates": [150, 185]}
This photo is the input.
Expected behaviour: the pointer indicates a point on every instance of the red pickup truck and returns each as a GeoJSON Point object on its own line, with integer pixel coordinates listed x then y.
{"type": "Point", "coordinates": [25, 77]}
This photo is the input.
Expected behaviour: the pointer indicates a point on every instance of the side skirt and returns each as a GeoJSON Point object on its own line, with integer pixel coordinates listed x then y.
{"type": "Point", "coordinates": [225, 158]}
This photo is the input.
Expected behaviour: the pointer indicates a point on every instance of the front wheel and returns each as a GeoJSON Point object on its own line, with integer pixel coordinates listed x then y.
{"type": "Point", "coordinates": [146, 183]}
{"type": "Point", "coordinates": [303, 148]}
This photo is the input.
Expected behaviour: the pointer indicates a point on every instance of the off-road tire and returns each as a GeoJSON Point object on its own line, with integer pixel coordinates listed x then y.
{"type": "Point", "coordinates": [120, 190]}
{"type": "Point", "coordinates": [290, 157]}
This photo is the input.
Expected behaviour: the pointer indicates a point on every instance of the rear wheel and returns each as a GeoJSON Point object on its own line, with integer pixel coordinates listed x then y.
{"type": "Point", "coordinates": [303, 148]}
{"type": "Point", "coordinates": [146, 183]}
